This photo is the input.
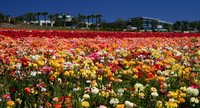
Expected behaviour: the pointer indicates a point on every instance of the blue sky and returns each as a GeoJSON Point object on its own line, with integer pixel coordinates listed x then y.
{"type": "Point", "coordinates": [167, 10]}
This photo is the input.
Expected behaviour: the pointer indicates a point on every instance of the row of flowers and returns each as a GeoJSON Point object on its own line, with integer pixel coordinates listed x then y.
{"type": "Point", "coordinates": [102, 72]}
{"type": "Point", "coordinates": [16, 33]}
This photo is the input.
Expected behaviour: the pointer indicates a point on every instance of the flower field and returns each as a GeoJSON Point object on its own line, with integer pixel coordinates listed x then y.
{"type": "Point", "coordinates": [90, 69]}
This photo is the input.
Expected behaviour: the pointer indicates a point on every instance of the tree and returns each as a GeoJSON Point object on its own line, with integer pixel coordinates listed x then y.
{"type": "Point", "coordinates": [45, 16]}
{"type": "Point", "coordinates": [92, 16]}
{"type": "Point", "coordinates": [198, 26]}
{"type": "Point", "coordinates": [193, 25]}
{"type": "Point", "coordinates": [81, 20]}
{"type": "Point", "coordinates": [2, 16]}
{"type": "Point", "coordinates": [29, 17]}
{"type": "Point", "coordinates": [154, 24]}
{"type": "Point", "coordinates": [74, 21]}
{"type": "Point", "coordinates": [119, 24]}
{"type": "Point", "coordinates": [88, 18]}
{"type": "Point", "coordinates": [184, 25]}
{"type": "Point", "coordinates": [51, 17]}
{"type": "Point", "coordinates": [138, 22]}
{"type": "Point", "coordinates": [99, 18]}
{"type": "Point", "coordinates": [167, 26]}
{"type": "Point", "coordinates": [176, 25]}
{"type": "Point", "coordinates": [64, 17]}
{"type": "Point", "coordinates": [38, 16]}
{"type": "Point", "coordinates": [96, 16]}
{"type": "Point", "coordinates": [20, 18]}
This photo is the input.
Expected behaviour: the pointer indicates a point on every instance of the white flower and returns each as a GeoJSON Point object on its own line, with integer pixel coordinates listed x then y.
{"type": "Point", "coordinates": [192, 91]}
{"type": "Point", "coordinates": [117, 51]}
{"type": "Point", "coordinates": [196, 101]}
{"type": "Point", "coordinates": [75, 89]}
{"type": "Point", "coordinates": [86, 96]}
{"type": "Point", "coordinates": [171, 100]}
{"type": "Point", "coordinates": [138, 87]}
{"type": "Point", "coordinates": [33, 73]}
{"type": "Point", "coordinates": [43, 89]}
{"type": "Point", "coordinates": [88, 81]}
{"type": "Point", "coordinates": [114, 101]}
{"type": "Point", "coordinates": [192, 99]}
{"type": "Point", "coordinates": [195, 92]}
{"type": "Point", "coordinates": [154, 94]}
{"type": "Point", "coordinates": [121, 90]}
{"type": "Point", "coordinates": [95, 90]}
{"type": "Point", "coordinates": [53, 57]}
{"type": "Point", "coordinates": [129, 104]}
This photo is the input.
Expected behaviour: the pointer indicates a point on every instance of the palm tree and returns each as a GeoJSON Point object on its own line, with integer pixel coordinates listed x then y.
{"type": "Point", "coordinates": [29, 16]}
{"type": "Point", "coordinates": [56, 15]}
{"type": "Point", "coordinates": [92, 16]}
{"type": "Point", "coordinates": [96, 16]}
{"type": "Point", "coordinates": [99, 18]}
{"type": "Point", "coordinates": [74, 21]}
{"type": "Point", "coordinates": [45, 16]}
{"type": "Point", "coordinates": [51, 17]}
{"type": "Point", "coordinates": [64, 17]}
{"type": "Point", "coordinates": [38, 15]}
{"type": "Point", "coordinates": [88, 18]}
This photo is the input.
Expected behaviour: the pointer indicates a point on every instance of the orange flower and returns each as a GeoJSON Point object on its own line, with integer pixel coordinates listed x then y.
{"type": "Point", "coordinates": [112, 79]}
{"type": "Point", "coordinates": [162, 86]}
{"type": "Point", "coordinates": [48, 105]}
{"type": "Point", "coordinates": [182, 100]}
{"type": "Point", "coordinates": [57, 106]}
{"type": "Point", "coordinates": [120, 106]}
{"type": "Point", "coordinates": [27, 90]}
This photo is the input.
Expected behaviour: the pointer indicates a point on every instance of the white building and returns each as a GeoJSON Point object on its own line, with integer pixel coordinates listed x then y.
{"type": "Point", "coordinates": [42, 22]}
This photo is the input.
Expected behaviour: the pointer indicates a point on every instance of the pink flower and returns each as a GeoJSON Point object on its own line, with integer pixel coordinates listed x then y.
{"type": "Point", "coordinates": [102, 106]}
{"type": "Point", "coordinates": [195, 86]}
{"type": "Point", "coordinates": [7, 96]}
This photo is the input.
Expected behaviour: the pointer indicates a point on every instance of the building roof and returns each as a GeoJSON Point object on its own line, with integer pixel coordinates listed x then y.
{"type": "Point", "coordinates": [152, 19]}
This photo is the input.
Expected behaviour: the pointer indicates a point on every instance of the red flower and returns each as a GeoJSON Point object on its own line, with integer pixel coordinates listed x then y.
{"type": "Point", "coordinates": [57, 106]}
{"type": "Point", "coordinates": [52, 78]}
{"type": "Point", "coordinates": [24, 59]}
{"type": "Point", "coordinates": [150, 75]}
{"type": "Point", "coordinates": [11, 90]}
{"type": "Point", "coordinates": [139, 74]}
{"type": "Point", "coordinates": [25, 64]}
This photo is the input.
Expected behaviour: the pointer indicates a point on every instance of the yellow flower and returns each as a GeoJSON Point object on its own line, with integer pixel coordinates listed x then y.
{"type": "Point", "coordinates": [10, 104]}
{"type": "Point", "coordinates": [19, 100]}
{"type": "Point", "coordinates": [135, 76]}
{"type": "Point", "coordinates": [141, 94]}
{"type": "Point", "coordinates": [34, 65]}
{"type": "Point", "coordinates": [85, 104]}
{"type": "Point", "coordinates": [40, 63]}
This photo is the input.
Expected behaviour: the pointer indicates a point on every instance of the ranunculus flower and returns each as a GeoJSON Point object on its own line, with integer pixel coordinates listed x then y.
{"type": "Point", "coordinates": [27, 90]}
{"type": "Point", "coordinates": [10, 104]}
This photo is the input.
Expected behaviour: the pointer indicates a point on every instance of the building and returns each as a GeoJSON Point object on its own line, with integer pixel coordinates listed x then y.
{"type": "Point", "coordinates": [147, 23]}
{"type": "Point", "coordinates": [67, 20]}
{"type": "Point", "coordinates": [5, 20]}
{"type": "Point", "coordinates": [41, 22]}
